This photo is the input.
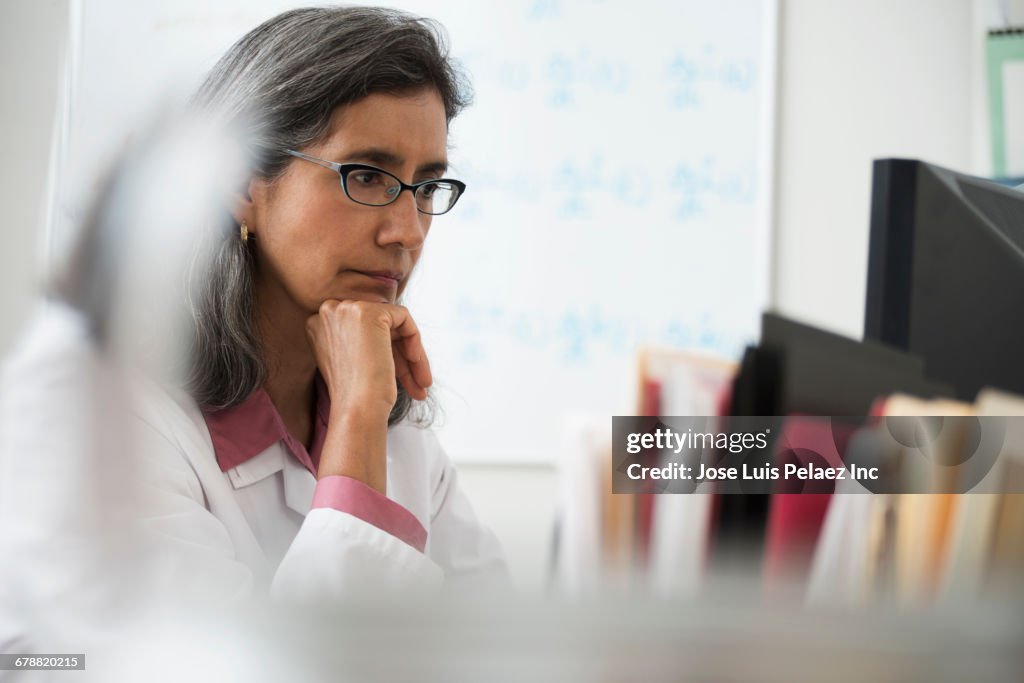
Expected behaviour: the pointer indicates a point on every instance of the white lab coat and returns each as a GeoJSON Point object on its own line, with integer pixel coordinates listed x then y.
{"type": "Point", "coordinates": [206, 534]}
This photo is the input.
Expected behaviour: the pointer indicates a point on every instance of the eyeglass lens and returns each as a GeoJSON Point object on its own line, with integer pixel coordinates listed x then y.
{"type": "Point", "coordinates": [377, 189]}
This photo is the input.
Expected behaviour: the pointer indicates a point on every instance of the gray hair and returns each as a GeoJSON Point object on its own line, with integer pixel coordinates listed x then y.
{"type": "Point", "coordinates": [279, 85]}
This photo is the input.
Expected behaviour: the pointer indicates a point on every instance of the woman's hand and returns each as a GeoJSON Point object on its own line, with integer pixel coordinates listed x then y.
{"type": "Point", "coordinates": [360, 348]}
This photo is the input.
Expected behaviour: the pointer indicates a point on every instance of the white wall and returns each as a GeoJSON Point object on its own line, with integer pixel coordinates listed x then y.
{"type": "Point", "coordinates": [518, 503]}
{"type": "Point", "coordinates": [857, 80]}
{"type": "Point", "coordinates": [32, 37]}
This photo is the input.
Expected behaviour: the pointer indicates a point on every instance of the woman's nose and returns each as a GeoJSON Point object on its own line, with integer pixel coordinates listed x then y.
{"type": "Point", "coordinates": [405, 225]}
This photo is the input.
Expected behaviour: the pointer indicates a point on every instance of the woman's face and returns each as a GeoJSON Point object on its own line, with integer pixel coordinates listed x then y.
{"type": "Point", "coordinates": [313, 243]}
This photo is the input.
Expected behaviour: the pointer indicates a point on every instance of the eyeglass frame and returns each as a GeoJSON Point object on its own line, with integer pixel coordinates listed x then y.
{"type": "Point", "coordinates": [344, 169]}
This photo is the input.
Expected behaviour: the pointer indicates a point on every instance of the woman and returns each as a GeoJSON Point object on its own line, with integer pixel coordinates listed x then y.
{"type": "Point", "coordinates": [295, 462]}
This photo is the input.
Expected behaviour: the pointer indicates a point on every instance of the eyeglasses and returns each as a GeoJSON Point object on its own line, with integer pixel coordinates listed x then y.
{"type": "Point", "coordinates": [373, 186]}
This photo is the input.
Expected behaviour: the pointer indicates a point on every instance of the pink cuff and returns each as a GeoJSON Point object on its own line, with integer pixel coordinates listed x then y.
{"type": "Point", "coordinates": [360, 500]}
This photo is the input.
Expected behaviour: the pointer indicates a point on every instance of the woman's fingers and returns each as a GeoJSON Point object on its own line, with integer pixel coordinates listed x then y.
{"type": "Point", "coordinates": [402, 325]}
{"type": "Point", "coordinates": [413, 348]}
{"type": "Point", "coordinates": [406, 337]}
{"type": "Point", "coordinates": [406, 376]}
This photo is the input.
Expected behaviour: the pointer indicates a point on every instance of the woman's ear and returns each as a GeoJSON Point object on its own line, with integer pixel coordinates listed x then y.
{"type": "Point", "coordinates": [243, 206]}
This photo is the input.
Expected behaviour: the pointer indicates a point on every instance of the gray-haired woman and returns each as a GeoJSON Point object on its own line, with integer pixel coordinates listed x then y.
{"type": "Point", "coordinates": [295, 460]}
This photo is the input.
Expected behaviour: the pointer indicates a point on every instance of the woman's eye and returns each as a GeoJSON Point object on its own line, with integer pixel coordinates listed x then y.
{"type": "Point", "coordinates": [428, 190]}
{"type": "Point", "coordinates": [368, 178]}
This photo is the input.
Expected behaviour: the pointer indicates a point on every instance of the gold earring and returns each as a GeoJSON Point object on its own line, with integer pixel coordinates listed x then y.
{"type": "Point", "coordinates": [245, 232]}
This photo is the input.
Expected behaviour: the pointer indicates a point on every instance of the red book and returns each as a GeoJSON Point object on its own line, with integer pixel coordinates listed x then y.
{"type": "Point", "coordinates": [795, 519]}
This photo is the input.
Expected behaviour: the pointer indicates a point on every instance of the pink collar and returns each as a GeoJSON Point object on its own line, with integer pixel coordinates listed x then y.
{"type": "Point", "coordinates": [244, 431]}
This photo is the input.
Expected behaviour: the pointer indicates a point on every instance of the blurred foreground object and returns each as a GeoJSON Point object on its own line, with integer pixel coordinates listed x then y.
{"type": "Point", "coordinates": [111, 324]}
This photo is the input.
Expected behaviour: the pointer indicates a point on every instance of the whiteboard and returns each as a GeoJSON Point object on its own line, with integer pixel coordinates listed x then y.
{"type": "Point", "coordinates": [618, 158]}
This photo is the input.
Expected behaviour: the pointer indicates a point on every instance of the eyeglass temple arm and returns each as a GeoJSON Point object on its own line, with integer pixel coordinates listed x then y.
{"type": "Point", "coordinates": [320, 162]}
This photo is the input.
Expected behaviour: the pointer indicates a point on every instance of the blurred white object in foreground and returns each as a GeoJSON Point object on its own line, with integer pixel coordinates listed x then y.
{"type": "Point", "coordinates": [70, 563]}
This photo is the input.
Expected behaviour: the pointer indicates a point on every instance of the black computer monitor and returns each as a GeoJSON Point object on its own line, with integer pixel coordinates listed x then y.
{"type": "Point", "coordinates": [946, 274]}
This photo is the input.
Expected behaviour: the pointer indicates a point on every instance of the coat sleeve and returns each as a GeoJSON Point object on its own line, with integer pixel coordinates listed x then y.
{"type": "Point", "coordinates": [461, 555]}
{"type": "Point", "coordinates": [338, 554]}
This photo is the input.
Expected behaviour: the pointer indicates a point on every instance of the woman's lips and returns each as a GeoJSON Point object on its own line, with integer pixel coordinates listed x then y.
{"type": "Point", "coordinates": [385, 277]}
